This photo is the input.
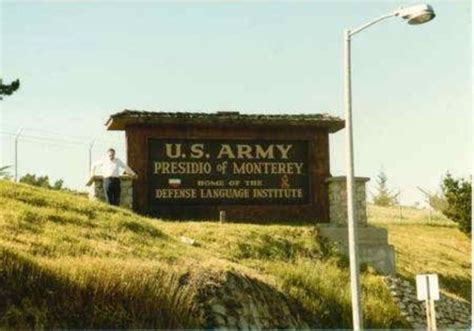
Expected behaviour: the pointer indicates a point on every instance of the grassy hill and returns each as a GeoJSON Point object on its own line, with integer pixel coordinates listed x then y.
{"type": "Point", "coordinates": [66, 262]}
{"type": "Point", "coordinates": [428, 246]}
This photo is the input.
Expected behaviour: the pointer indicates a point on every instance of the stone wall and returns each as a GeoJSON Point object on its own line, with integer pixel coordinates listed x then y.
{"type": "Point", "coordinates": [338, 200]}
{"type": "Point", "coordinates": [372, 242]}
{"type": "Point", "coordinates": [96, 190]}
{"type": "Point", "coordinates": [374, 249]}
{"type": "Point", "coordinates": [235, 301]}
{"type": "Point", "coordinates": [450, 313]}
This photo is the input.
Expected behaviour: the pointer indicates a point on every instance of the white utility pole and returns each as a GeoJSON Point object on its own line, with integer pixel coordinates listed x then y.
{"type": "Point", "coordinates": [351, 210]}
{"type": "Point", "coordinates": [91, 145]}
{"type": "Point", "coordinates": [428, 195]}
{"type": "Point", "coordinates": [400, 215]}
{"type": "Point", "coordinates": [17, 137]}
{"type": "Point", "coordinates": [417, 14]}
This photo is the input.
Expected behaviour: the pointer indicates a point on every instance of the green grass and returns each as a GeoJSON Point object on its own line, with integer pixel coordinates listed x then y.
{"type": "Point", "coordinates": [67, 262]}
{"type": "Point", "coordinates": [428, 246]}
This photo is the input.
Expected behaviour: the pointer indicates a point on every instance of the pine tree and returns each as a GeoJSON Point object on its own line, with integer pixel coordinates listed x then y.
{"type": "Point", "coordinates": [458, 194]}
{"type": "Point", "coordinates": [384, 196]}
{"type": "Point", "coordinates": [8, 89]}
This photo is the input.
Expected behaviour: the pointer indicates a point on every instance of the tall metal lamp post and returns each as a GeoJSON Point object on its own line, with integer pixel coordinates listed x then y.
{"type": "Point", "coordinates": [414, 15]}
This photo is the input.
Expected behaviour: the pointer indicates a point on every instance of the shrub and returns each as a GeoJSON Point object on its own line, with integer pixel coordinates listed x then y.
{"type": "Point", "coordinates": [458, 195]}
{"type": "Point", "coordinates": [41, 181]}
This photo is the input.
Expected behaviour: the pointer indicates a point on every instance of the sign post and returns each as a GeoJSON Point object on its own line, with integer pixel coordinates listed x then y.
{"type": "Point", "coordinates": [222, 216]}
{"type": "Point", "coordinates": [427, 289]}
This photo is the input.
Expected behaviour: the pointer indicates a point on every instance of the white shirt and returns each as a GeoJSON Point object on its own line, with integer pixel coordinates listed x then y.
{"type": "Point", "coordinates": [110, 168]}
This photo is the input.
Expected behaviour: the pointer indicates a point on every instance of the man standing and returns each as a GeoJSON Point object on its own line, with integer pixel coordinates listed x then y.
{"type": "Point", "coordinates": [110, 170]}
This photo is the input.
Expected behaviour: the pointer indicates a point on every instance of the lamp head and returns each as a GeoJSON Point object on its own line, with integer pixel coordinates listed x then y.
{"type": "Point", "coordinates": [417, 14]}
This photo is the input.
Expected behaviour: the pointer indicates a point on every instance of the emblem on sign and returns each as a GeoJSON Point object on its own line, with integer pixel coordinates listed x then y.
{"type": "Point", "coordinates": [284, 182]}
{"type": "Point", "coordinates": [174, 182]}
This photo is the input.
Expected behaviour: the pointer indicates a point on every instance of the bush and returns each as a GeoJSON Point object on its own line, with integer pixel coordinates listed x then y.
{"type": "Point", "coordinates": [458, 196]}
{"type": "Point", "coordinates": [41, 181]}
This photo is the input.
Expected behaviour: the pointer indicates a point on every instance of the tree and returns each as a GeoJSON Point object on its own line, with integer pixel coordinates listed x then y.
{"type": "Point", "coordinates": [458, 196]}
{"type": "Point", "coordinates": [384, 196]}
{"type": "Point", "coordinates": [8, 89]}
{"type": "Point", "coordinates": [58, 185]}
{"type": "Point", "coordinates": [41, 181]}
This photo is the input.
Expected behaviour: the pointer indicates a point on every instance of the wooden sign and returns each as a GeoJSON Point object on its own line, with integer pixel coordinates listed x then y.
{"type": "Point", "coordinates": [220, 172]}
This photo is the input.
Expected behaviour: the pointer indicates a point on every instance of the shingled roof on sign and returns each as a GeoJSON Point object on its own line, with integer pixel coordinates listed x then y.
{"type": "Point", "coordinates": [121, 120]}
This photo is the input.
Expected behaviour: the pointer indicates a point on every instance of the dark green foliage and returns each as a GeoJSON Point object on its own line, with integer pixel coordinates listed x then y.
{"type": "Point", "coordinates": [438, 202]}
{"type": "Point", "coordinates": [41, 181]}
{"type": "Point", "coordinates": [458, 196]}
{"type": "Point", "coordinates": [8, 89]}
{"type": "Point", "coordinates": [58, 185]}
{"type": "Point", "coordinates": [384, 196]}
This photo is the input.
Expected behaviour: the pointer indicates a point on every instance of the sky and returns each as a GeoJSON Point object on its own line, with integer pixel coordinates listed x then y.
{"type": "Point", "coordinates": [80, 62]}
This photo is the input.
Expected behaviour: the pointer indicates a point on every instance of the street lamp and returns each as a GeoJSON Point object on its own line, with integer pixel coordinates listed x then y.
{"type": "Point", "coordinates": [414, 15]}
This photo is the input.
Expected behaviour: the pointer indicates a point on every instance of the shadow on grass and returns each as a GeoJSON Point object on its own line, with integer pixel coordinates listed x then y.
{"type": "Point", "coordinates": [35, 297]}
{"type": "Point", "coordinates": [243, 222]}
{"type": "Point", "coordinates": [460, 286]}
{"type": "Point", "coordinates": [142, 229]}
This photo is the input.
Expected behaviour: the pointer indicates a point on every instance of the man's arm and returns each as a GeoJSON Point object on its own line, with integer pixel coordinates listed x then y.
{"type": "Point", "coordinates": [126, 167]}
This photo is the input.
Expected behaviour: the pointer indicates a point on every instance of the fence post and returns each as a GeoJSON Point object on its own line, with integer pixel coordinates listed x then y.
{"type": "Point", "coordinates": [429, 199]}
{"type": "Point", "coordinates": [400, 215]}
{"type": "Point", "coordinates": [222, 216]}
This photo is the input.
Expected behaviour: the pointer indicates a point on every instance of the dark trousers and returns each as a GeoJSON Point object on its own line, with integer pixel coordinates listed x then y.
{"type": "Point", "coordinates": [112, 190]}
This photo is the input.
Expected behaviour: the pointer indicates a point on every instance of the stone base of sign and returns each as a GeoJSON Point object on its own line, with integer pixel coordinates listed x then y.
{"type": "Point", "coordinates": [373, 246]}
{"type": "Point", "coordinates": [366, 235]}
{"type": "Point", "coordinates": [96, 190]}
{"type": "Point", "coordinates": [338, 200]}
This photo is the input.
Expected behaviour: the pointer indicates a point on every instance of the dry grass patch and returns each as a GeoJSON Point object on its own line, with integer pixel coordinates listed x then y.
{"type": "Point", "coordinates": [67, 262]}
{"type": "Point", "coordinates": [424, 246]}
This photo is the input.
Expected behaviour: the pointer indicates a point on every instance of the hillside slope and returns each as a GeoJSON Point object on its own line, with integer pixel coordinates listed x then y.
{"type": "Point", "coordinates": [428, 245]}
{"type": "Point", "coordinates": [70, 263]}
